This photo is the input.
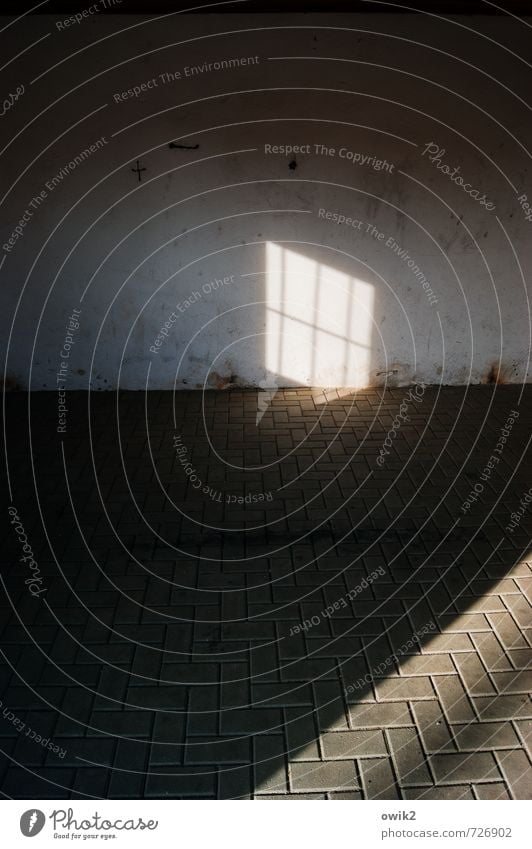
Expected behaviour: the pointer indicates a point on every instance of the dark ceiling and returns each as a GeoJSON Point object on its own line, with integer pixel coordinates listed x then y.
{"type": "Point", "coordinates": [154, 7]}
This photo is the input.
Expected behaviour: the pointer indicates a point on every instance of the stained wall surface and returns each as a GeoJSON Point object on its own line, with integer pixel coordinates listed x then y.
{"type": "Point", "coordinates": [266, 201]}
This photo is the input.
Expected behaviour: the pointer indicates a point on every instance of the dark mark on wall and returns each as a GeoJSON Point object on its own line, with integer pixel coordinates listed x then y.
{"type": "Point", "coordinates": [10, 384]}
{"type": "Point", "coordinates": [138, 170]}
{"type": "Point", "coordinates": [174, 145]}
{"type": "Point", "coordinates": [218, 381]}
{"type": "Point", "coordinates": [493, 375]}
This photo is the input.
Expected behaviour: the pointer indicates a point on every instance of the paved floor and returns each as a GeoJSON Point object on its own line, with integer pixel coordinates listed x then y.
{"type": "Point", "coordinates": [352, 631]}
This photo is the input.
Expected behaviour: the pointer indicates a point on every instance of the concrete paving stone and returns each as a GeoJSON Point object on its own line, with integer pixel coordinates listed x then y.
{"type": "Point", "coordinates": [452, 696]}
{"type": "Point", "coordinates": [28, 752]}
{"type": "Point", "coordinates": [379, 655]}
{"type": "Point", "coordinates": [398, 689]}
{"type": "Point", "coordinates": [487, 792]}
{"type": "Point", "coordinates": [163, 697]}
{"type": "Point", "coordinates": [485, 604]}
{"type": "Point", "coordinates": [203, 710]}
{"type": "Point", "coordinates": [454, 768]}
{"type": "Point", "coordinates": [520, 658]}
{"type": "Point", "coordinates": [146, 662]}
{"type": "Point", "coordinates": [235, 689]}
{"type": "Point", "coordinates": [266, 664]}
{"type": "Point", "coordinates": [485, 736]}
{"type": "Point", "coordinates": [301, 734]}
{"type": "Point", "coordinates": [524, 582]}
{"type": "Point", "coordinates": [95, 752]}
{"type": "Point", "coordinates": [491, 652]}
{"type": "Point", "coordinates": [503, 707]}
{"type": "Point", "coordinates": [507, 631]}
{"type": "Point", "coordinates": [466, 623]}
{"type": "Point", "coordinates": [67, 727]}
{"type": "Point", "coordinates": [451, 792]}
{"type": "Point", "coordinates": [517, 770]}
{"type": "Point", "coordinates": [450, 643]}
{"type": "Point", "coordinates": [313, 776]}
{"type": "Point", "coordinates": [121, 723]}
{"type": "Point", "coordinates": [40, 722]}
{"type": "Point", "coordinates": [341, 647]}
{"type": "Point", "coordinates": [248, 631]}
{"type": "Point", "coordinates": [49, 783]}
{"type": "Point", "coordinates": [521, 609]}
{"type": "Point", "coordinates": [513, 682]}
{"type": "Point", "coordinates": [408, 758]}
{"type": "Point", "coordinates": [330, 704]}
{"type": "Point", "coordinates": [432, 727]}
{"type": "Point", "coordinates": [216, 750]}
{"type": "Point", "coordinates": [86, 676]}
{"type": "Point", "coordinates": [270, 764]}
{"type": "Point", "coordinates": [131, 757]}
{"type": "Point", "coordinates": [474, 675]}
{"type": "Point", "coordinates": [181, 783]}
{"type": "Point", "coordinates": [426, 664]}
{"type": "Point", "coordinates": [168, 754]}
{"type": "Point", "coordinates": [190, 673]}
{"type": "Point", "coordinates": [380, 715]}
{"type": "Point", "coordinates": [169, 727]}
{"type": "Point", "coordinates": [235, 782]}
{"type": "Point", "coordinates": [284, 694]}
{"type": "Point", "coordinates": [340, 745]}
{"type": "Point", "coordinates": [331, 716]}
{"type": "Point", "coordinates": [311, 669]}
{"type": "Point", "coordinates": [378, 780]}
{"type": "Point", "coordinates": [524, 730]}
{"type": "Point", "coordinates": [255, 721]}
{"type": "Point", "coordinates": [90, 783]}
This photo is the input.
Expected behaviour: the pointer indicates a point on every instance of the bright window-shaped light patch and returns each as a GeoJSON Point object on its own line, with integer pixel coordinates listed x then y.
{"type": "Point", "coordinates": [318, 323]}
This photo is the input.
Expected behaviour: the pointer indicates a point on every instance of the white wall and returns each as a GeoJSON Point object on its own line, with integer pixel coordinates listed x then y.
{"type": "Point", "coordinates": [300, 299]}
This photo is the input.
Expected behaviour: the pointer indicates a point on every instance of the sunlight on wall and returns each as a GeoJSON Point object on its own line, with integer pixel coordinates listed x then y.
{"type": "Point", "coordinates": [318, 323]}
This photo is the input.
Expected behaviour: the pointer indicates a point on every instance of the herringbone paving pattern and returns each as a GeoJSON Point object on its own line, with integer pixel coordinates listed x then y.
{"type": "Point", "coordinates": [350, 631]}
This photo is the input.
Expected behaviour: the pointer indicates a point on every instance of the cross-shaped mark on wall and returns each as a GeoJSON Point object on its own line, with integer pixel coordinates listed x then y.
{"type": "Point", "coordinates": [138, 170]}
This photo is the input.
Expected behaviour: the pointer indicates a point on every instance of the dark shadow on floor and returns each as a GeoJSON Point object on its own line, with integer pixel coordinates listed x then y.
{"type": "Point", "coordinates": [168, 654]}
